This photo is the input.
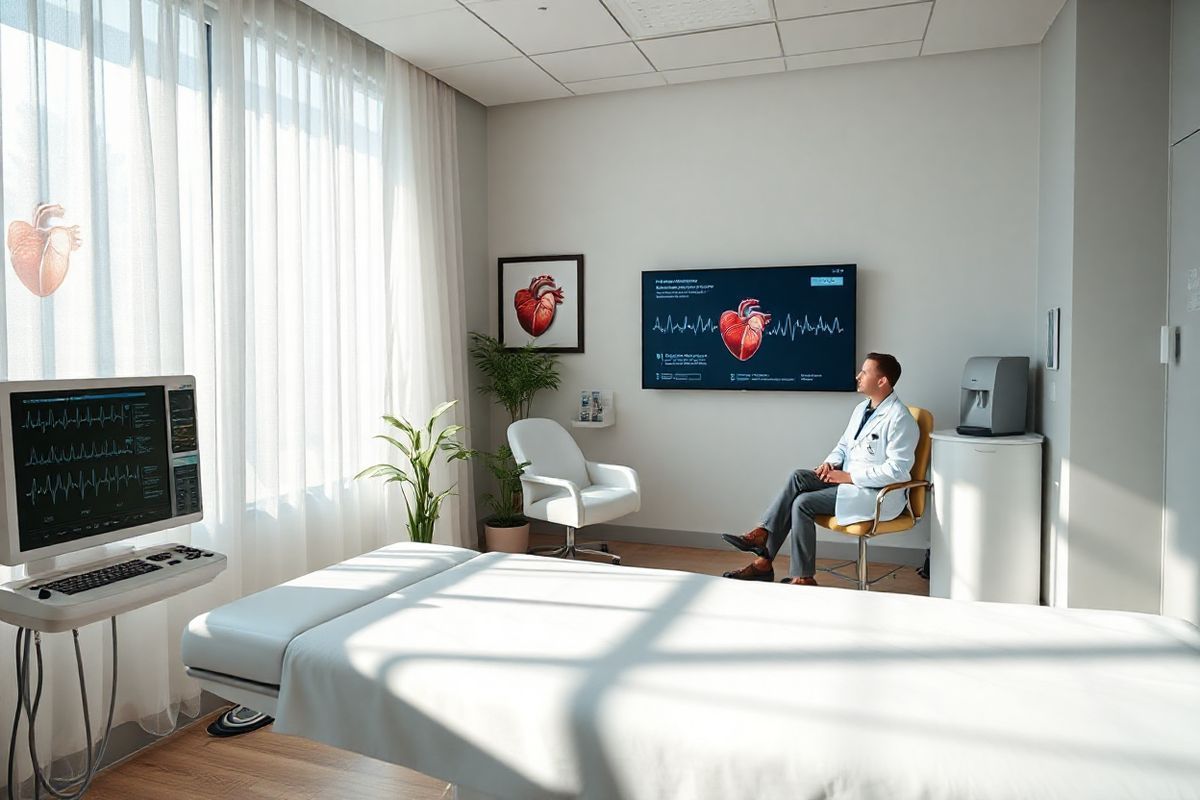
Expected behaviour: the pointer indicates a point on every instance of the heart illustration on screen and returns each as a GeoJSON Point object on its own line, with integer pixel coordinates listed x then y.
{"type": "Point", "coordinates": [41, 253]}
{"type": "Point", "coordinates": [742, 330]}
{"type": "Point", "coordinates": [537, 305]}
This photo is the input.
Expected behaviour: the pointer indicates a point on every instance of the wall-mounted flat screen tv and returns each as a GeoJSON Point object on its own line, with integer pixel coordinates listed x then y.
{"type": "Point", "coordinates": [765, 328]}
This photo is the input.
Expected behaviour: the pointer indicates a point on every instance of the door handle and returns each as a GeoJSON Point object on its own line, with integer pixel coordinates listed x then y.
{"type": "Point", "coordinates": [1169, 341]}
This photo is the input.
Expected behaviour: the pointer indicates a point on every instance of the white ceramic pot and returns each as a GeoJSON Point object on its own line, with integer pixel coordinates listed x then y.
{"type": "Point", "coordinates": [506, 540]}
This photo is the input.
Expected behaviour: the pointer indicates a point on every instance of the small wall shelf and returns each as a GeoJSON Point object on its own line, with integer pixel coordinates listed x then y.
{"type": "Point", "coordinates": [606, 424]}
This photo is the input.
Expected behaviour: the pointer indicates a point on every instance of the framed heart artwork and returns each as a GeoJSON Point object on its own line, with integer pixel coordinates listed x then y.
{"type": "Point", "coordinates": [541, 302]}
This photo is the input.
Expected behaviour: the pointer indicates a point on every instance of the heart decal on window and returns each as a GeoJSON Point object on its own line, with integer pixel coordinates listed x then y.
{"type": "Point", "coordinates": [41, 252]}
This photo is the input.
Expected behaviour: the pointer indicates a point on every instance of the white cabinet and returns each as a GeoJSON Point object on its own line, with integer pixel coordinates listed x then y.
{"type": "Point", "coordinates": [1185, 69]}
{"type": "Point", "coordinates": [987, 521]}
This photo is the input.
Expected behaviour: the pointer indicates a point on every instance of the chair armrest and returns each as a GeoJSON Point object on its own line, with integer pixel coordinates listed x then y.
{"type": "Point", "coordinates": [893, 487]}
{"type": "Point", "coordinates": [531, 483]}
{"type": "Point", "coordinates": [613, 475]}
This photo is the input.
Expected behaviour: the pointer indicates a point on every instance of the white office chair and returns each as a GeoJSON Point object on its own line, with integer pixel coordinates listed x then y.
{"type": "Point", "coordinates": [563, 487]}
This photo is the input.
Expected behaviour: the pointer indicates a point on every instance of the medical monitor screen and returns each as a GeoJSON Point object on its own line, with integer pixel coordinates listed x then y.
{"type": "Point", "coordinates": [764, 328]}
{"type": "Point", "coordinates": [86, 462]}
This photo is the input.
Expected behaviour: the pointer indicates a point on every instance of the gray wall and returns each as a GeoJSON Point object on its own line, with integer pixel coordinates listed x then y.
{"type": "Point", "coordinates": [1056, 249]}
{"type": "Point", "coordinates": [472, 182]}
{"type": "Point", "coordinates": [1107, 448]}
{"type": "Point", "coordinates": [1120, 286]}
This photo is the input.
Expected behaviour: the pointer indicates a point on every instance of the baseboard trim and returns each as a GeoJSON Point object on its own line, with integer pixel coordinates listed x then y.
{"type": "Point", "coordinates": [846, 551]}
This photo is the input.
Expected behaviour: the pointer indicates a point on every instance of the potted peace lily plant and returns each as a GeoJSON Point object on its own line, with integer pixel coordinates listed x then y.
{"type": "Point", "coordinates": [420, 446]}
{"type": "Point", "coordinates": [511, 377]}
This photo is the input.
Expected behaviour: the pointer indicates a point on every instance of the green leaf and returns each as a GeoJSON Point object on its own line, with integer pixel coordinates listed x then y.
{"type": "Point", "coordinates": [403, 448]}
{"type": "Point", "coordinates": [437, 412]}
{"type": "Point", "coordinates": [402, 424]}
{"type": "Point", "coordinates": [377, 470]}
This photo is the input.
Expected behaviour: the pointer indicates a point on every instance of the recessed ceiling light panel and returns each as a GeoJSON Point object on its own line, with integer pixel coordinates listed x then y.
{"type": "Point", "coordinates": [643, 19]}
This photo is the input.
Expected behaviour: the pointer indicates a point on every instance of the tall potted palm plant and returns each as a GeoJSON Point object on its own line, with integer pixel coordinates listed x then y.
{"type": "Point", "coordinates": [512, 379]}
{"type": "Point", "coordinates": [513, 376]}
{"type": "Point", "coordinates": [420, 446]}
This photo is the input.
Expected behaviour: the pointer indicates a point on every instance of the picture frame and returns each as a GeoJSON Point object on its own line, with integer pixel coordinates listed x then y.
{"type": "Point", "coordinates": [1053, 320]}
{"type": "Point", "coordinates": [541, 302]}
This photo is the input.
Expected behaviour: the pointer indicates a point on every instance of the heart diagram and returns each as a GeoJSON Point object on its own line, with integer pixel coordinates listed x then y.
{"type": "Point", "coordinates": [537, 305]}
{"type": "Point", "coordinates": [742, 330]}
{"type": "Point", "coordinates": [41, 252]}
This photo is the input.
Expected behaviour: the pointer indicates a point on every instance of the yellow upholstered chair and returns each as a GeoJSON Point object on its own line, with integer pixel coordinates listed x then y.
{"type": "Point", "coordinates": [918, 497]}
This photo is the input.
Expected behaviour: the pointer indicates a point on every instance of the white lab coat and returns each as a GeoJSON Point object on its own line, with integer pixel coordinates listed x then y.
{"type": "Point", "coordinates": [883, 453]}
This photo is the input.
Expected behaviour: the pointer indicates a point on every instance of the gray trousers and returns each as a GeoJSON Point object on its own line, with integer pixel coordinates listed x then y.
{"type": "Point", "coordinates": [804, 496]}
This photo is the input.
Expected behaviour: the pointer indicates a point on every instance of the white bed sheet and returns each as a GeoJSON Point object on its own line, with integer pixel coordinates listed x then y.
{"type": "Point", "coordinates": [527, 677]}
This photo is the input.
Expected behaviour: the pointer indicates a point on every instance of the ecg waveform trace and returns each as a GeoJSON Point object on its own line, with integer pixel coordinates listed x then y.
{"type": "Point", "coordinates": [42, 422]}
{"type": "Point", "coordinates": [83, 452]}
{"type": "Point", "coordinates": [787, 326]}
{"type": "Point", "coordinates": [65, 483]}
{"type": "Point", "coordinates": [697, 327]}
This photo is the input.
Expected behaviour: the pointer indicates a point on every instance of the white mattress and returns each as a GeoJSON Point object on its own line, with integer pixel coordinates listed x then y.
{"type": "Point", "coordinates": [246, 639]}
{"type": "Point", "coordinates": [526, 677]}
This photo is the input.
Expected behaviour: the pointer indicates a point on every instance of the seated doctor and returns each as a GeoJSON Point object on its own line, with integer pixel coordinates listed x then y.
{"type": "Point", "coordinates": [877, 448]}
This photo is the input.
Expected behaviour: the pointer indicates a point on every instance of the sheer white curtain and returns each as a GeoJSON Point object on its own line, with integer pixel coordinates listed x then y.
{"type": "Point", "coordinates": [104, 113]}
{"type": "Point", "coordinates": [304, 264]}
{"type": "Point", "coordinates": [426, 293]}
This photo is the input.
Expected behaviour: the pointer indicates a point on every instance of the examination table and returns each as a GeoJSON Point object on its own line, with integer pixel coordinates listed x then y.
{"type": "Point", "coordinates": [517, 676]}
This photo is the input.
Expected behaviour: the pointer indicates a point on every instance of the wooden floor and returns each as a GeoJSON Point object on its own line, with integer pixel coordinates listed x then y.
{"type": "Point", "coordinates": [190, 765]}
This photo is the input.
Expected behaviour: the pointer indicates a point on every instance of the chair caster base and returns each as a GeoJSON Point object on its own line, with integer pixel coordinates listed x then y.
{"type": "Point", "coordinates": [569, 551]}
{"type": "Point", "coordinates": [571, 547]}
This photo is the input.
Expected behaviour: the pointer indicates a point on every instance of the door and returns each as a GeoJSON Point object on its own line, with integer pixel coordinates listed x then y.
{"type": "Point", "coordinates": [1181, 540]}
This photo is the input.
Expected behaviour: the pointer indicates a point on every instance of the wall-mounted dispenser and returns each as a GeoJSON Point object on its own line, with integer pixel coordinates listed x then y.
{"type": "Point", "coordinates": [994, 394]}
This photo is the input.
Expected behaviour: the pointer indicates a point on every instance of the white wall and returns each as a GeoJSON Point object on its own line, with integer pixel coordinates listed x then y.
{"type": "Point", "coordinates": [923, 172]}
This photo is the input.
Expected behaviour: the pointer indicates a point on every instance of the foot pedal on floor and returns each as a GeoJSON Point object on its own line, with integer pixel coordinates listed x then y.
{"type": "Point", "coordinates": [238, 720]}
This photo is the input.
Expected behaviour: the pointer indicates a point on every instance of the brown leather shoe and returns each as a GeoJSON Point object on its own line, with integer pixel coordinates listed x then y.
{"type": "Point", "coordinates": [750, 573]}
{"type": "Point", "coordinates": [751, 542]}
{"type": "Point", "coordinates": [795, 581]}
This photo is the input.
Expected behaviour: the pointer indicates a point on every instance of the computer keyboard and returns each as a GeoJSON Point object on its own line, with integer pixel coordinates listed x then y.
{"type": "Point", "coordinates": [100, 577]}
{"type": "Point", "coordinates": [67, 599]}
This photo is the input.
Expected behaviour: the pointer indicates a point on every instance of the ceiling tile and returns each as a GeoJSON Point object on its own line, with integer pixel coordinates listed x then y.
{"type": "Point", "coordinates": [718, 71]}
{"type": "Point", "coordinates": [648, 18]}
{"type": "Point", "coordinates": [790, 9]}
{"type": "Point", "coordinates": [371, 10]}
{"type": "Point", "coordinates": [618, 84]}
{"type": "Point", "coordinates": [713, 47]}
{"type": "Point", "coordinates": [594, 63]}
{"type": "Point", "coordinates": [855, 29]}
{"type": "Point", "coordinates": [880, 52]}
{"type": "Point", "coordinates": [546, 26]}
{"type": "Point", "coordinates": [439, 39]}
{"type": "Point", "coordinates": [513, 80]}
{"type": "Point", "coordinates": [959, 25]}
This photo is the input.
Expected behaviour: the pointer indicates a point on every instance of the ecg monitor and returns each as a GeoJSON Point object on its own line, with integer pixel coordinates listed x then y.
{"type": "Point", "coordinates": [750, 328]}
{"type": "Point", "coordinates": [86, 462]}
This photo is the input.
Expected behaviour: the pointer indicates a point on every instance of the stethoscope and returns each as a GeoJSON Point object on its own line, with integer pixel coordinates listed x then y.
{"type": "Point", "coordinates": [868, 442]}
